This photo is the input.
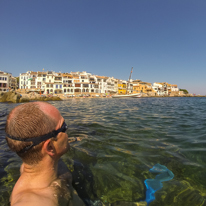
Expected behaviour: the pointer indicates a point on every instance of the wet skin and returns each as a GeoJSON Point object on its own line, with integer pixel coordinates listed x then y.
{"type": "Point", "coordinates": [49, 182]}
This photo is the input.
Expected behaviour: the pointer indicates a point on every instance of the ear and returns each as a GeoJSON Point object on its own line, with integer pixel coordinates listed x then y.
{"type": "Point", "coordinates": [49, 148]}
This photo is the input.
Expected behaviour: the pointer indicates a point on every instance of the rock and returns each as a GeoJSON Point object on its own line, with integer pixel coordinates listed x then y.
{"type": "Point", "coordinates": [10, 97]}
{"type": "Point", "coordinates": [178, 193]}
{"type": "Point", "coordinates": [113, 185]}
{"type": "Point", "coordinates": [14, 97]}
{"type": "Point", "coordinates": [44, 98]}
{"type": "Point", "coordinates": [24, 99]}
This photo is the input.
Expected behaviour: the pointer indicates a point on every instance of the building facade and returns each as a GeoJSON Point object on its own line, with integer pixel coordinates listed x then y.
{"type": "Point", "coordinates": [67, 83]}
{"type": "Point", "coordinates": [7, 81]}
{"type": "Point", "coordinates": [82, 83]}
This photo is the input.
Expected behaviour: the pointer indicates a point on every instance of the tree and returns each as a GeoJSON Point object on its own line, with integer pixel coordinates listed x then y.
{"type": "Point", "coordinates": [184, 90]}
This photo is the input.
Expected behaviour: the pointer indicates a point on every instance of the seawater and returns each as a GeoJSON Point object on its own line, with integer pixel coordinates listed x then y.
{"type": "Point", "coordinates": [122, 139]}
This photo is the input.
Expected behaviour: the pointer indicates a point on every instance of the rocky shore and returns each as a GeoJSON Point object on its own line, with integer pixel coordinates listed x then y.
{"type": "Point", "coordinates": [14, 97]}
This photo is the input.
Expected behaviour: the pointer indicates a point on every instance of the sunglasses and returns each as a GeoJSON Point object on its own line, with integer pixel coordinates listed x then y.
{"type": "Point", "coordinates": [37, 140]}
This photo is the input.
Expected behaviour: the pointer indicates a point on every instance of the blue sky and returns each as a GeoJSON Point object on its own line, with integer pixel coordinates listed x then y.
{"type": "Point", "coordinates": [163, 40]}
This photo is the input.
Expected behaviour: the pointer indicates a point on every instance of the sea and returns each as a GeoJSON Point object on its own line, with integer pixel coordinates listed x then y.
{"type": "Point", "coordinates": [135, 151]}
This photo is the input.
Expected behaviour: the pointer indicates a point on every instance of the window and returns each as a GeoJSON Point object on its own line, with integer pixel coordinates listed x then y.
{"type": "Point", "coordinates": [77, 85]}
{"type": "Point", "coordinates": [5, 78]}
{"type": "Point", "coordinates": [60, 86]}
{"type": "Point", "coordinates": [56, 86]}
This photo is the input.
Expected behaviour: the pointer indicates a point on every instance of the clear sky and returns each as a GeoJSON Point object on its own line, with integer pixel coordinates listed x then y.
{"type": "Point", "coordinates": [163, 40]}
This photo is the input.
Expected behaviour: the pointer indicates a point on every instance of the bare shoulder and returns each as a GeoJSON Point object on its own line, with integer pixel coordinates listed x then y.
{"type": "Point", "coordinates": [32, 198]}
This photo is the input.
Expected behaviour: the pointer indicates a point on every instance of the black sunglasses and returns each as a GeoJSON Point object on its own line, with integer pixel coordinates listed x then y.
{"type": "Point", "coordinates": [37, 140]}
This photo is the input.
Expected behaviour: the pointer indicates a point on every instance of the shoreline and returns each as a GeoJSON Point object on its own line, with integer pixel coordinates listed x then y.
{"type": "Point", "coordinates": [63, 97]}
{"type": "Point", "coordinates": [17, 97]}
{"type": "Point", "coordinates": [69, 98]}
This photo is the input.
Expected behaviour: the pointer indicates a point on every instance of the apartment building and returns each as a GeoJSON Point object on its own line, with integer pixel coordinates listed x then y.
{"type": "Point", "coordinates": [174, 90]}
{"type": "Point", "coordinates": [136, 86]}
{"type": "Point", "coordinates": [7, 81]}
{"type": "Point", "coordinates": [13, 83]}
{"type": "Point", "coordinates": [102, 81]}
{"type": "Point", "coordinates": [122, 87]}
{"type": "Point", "coordinates": [158, 88]}
{"type": "Point", "coordinates": [27, 80]}
{"type": "Point", "coordinates": [143, 87]}
{"type": "Point", "coordinates": [165, 88]}
{"type": "Point", "coordinates": [111, 85]}
{"type": "Point", "coordinates": [125, 87]}
{"type": "Point", "coordinates": [68, 83]}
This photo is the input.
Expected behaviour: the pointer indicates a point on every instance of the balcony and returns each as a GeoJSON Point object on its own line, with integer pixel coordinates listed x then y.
{"type": "Point", "coordinates": [58, 79]}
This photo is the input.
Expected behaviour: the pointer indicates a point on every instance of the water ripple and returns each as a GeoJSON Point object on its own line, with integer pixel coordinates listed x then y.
{"type": "Point", "coordinates": [126, 137]}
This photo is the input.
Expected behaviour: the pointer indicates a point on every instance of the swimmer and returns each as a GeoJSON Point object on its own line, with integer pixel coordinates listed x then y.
{"type": "Point", "coordinates": [36, 131]}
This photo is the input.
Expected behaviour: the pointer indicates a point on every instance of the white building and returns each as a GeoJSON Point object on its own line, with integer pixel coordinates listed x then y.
{"type": "Point", "coordinates": [102, 81]}
{"type": "Point", "coordinates": [7, 81]}
{"type": "Point", "coordinates": [174, 88]}
{"type": "Point", "coordinates": [112, 85]}
{"type": "Point", "coordinates": [25, 80]}
{"type": "Point", "coordinates": [67, 83]}
{"type": "Point", "coordinates": [158, 88]}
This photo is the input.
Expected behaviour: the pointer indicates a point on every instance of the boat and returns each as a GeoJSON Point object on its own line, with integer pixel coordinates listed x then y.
{"type": "Point", "coordinates": [135, 95]}
{"type": "Point", "coordinates": [138, 95]}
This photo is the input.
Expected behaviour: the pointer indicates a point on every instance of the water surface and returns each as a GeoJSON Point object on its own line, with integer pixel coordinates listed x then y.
{"type": "Point", "coordinates": [122, 140]}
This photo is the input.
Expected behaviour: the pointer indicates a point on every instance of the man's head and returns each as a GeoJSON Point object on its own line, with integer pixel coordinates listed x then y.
{"type": "Point", "coordinates": [32, 121]}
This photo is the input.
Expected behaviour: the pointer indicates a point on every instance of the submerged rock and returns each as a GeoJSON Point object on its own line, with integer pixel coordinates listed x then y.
{"type": "Point", "coordinates": [113, 185]}
{"type": "Point", "coordinates": [178, 193]}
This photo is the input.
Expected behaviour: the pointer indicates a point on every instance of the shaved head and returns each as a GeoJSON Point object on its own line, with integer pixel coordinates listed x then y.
{"type": "Point", "coordinates": [30, 120]}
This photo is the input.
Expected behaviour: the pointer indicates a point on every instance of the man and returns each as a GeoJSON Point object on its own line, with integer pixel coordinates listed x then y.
{"type": "Point", "coordinates": [37, 133]}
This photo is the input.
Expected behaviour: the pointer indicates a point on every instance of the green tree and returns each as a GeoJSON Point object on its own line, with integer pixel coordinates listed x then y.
{"type": "Point", "coordinates": [184, 90]}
